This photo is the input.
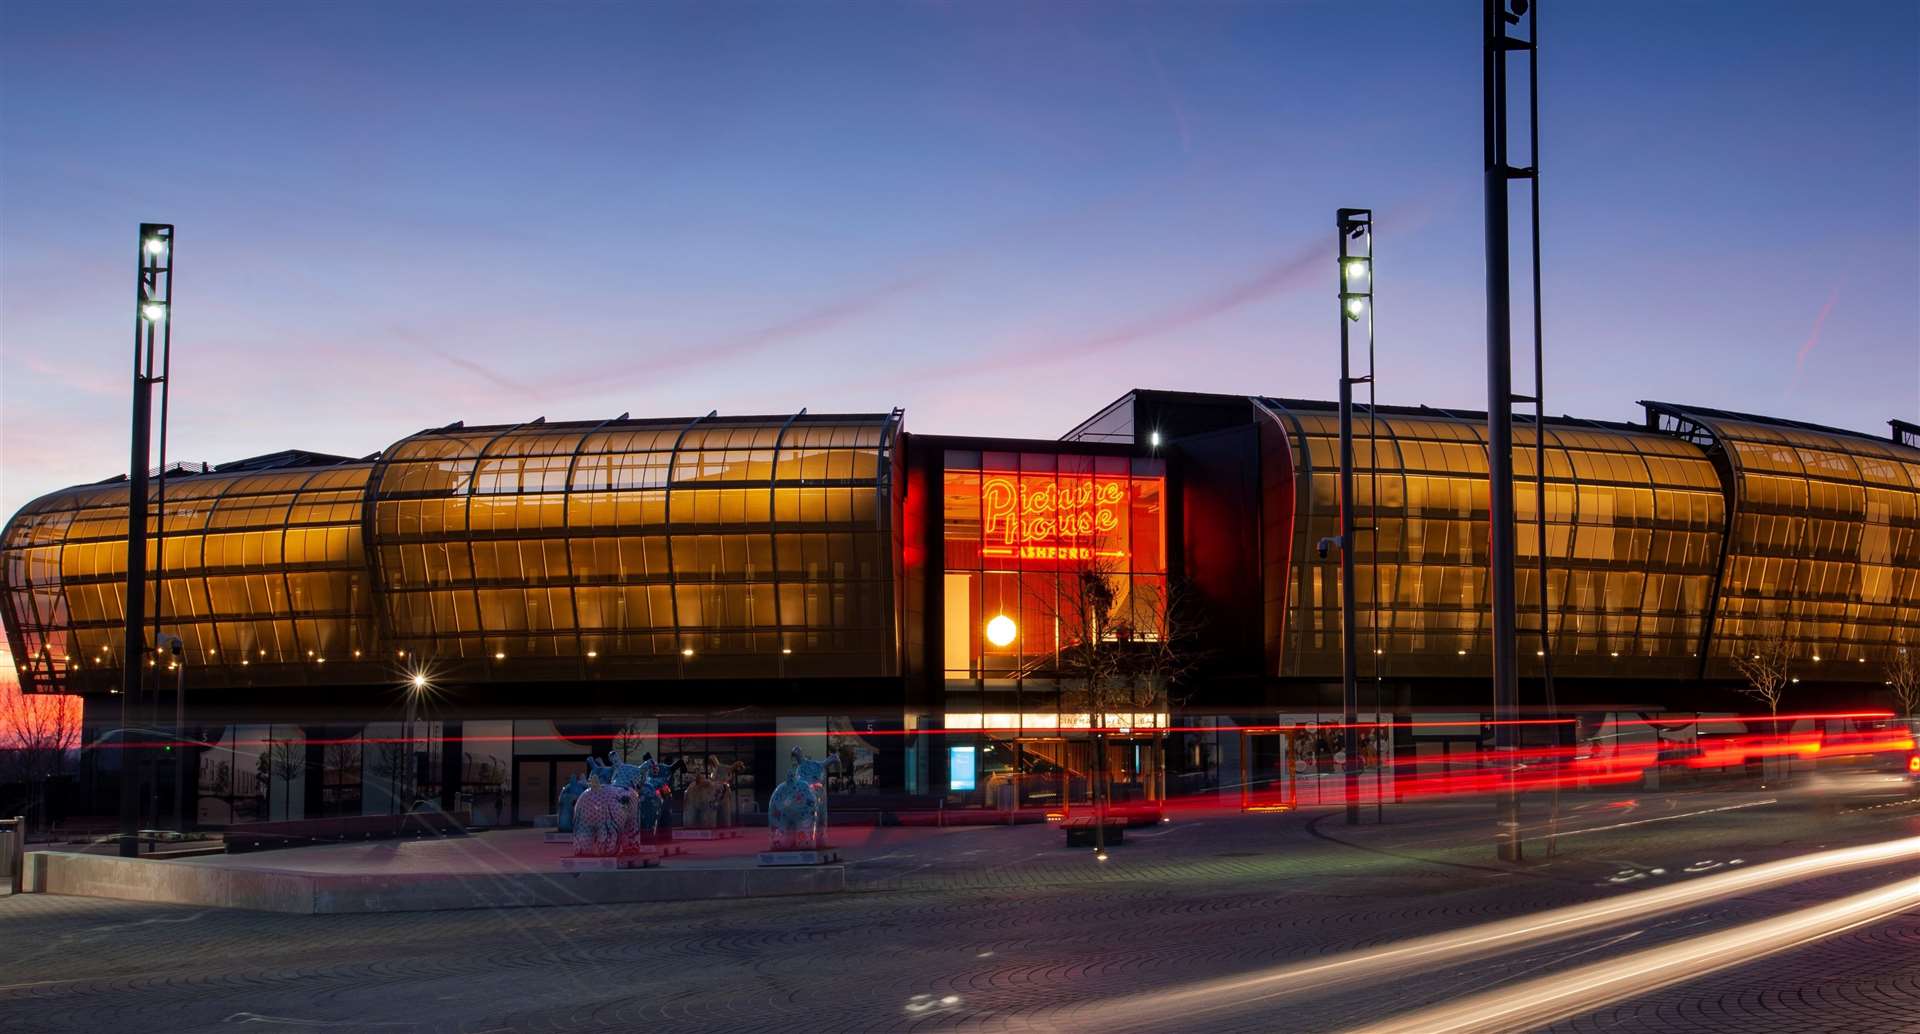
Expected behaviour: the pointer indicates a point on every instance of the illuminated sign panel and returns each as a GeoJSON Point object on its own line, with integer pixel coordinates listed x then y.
{"type": "Point", "coordinates": [1052, 519]}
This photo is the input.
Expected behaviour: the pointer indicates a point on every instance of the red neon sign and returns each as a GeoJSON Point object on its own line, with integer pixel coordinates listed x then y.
{"type": "Point", "coordinates": [1057, 520]}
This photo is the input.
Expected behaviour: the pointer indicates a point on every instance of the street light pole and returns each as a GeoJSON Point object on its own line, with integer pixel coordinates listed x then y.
{"type": "Point", "coordinates": [1356, 302]}
{"type": "Point", "coordinates": [180, 772]}
{"type": "Point", "coordinates": [416, 685]}
{"type": "Point", "coordinates": [152, 331]}
{"type": "Point", "coordinates": [1500, 399]}
{"type": "Point", "coordinates": [173, 646]}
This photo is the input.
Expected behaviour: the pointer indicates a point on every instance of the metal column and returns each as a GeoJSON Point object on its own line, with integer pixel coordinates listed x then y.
{"type": "Point", "coordinates": [152, 334]}
{"type": "Point", "coordinates": [1500, 14]}
{"type": "Point", "coordinates": [1356, 303]}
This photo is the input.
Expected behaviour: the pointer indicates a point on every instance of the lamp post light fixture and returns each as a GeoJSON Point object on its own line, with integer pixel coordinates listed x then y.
{"type": "Point", "coordinates": [152, 353]}
{"type": "Point", "coordinates": [1355, 237]}
{"type": "Point", "coordinates": [418, 686]}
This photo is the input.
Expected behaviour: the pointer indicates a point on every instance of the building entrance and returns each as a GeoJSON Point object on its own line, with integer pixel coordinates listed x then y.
{"type": "Point", "coordinates": [537, 782]}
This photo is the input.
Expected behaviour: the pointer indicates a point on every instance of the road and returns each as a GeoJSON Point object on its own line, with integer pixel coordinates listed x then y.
{"type": "Point", "coordinates": [1001, 929]}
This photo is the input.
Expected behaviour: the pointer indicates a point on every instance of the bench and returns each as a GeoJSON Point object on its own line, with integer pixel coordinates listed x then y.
{"type": "Point", "coordinates": [883, 809]}
{"type": "Point", "coordinates": [1080, 830]}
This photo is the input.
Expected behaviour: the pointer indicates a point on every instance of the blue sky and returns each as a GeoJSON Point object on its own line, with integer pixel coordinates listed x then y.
{"type": "Point", "coordinates": [997, 215]}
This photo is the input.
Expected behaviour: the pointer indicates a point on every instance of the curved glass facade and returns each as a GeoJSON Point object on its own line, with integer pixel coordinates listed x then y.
{"type": "Point", "coordinates": [1824, 544]}
{"type": "Point", "coordinates": [1633, 519]}
{"type": "Point", "coordinates": [769, 547]}
{"type": "Point", "coordinates": [706, 547]}
{"type": "Point", "coordinates": [261, 575]}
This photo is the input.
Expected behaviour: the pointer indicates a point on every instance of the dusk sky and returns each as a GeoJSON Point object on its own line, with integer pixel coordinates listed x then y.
{"type": "Point", "coordinates": [998, 216]}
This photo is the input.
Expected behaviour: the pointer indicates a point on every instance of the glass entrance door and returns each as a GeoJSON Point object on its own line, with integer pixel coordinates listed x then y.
{"type": "Point", "coordinates": [533, 794]}
{"type": "Point", "coordinates": [537, 782]}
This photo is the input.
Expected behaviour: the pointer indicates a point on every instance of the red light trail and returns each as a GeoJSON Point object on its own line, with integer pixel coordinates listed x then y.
{"type": "Point", "coordinates": [1456, 774]}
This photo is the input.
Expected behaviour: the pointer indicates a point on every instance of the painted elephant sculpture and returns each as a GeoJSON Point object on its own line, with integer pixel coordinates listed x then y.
{"type": "Point", "coordinates": [603, 821]}
{"type": "Point", "coordinates": [569, 795]}
{"type": "Point", "coordinates": [797, 810]}
{"type": "Point", "coordinates": [653, 791]}
{"type": "Point", "coordinates": [709, 796]}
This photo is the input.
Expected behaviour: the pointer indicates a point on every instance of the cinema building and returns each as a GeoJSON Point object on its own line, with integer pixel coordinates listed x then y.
{"type": "Point", "coordinates": [732, 587]}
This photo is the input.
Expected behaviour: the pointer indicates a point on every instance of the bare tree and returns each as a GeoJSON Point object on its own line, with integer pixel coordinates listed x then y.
{"type": "Point", "coordinates": [391, 758]}
{"type": "Point", "coordinates": [630, 742]}
{"type": "Point", "coordinates": [1903, 675]}
{"type": "Point", "coordinates": [1124, 649]}
{"type": "Point", "coordinates": [285, 761]}
{"type": "Point", "coordinates": [38, 736]}
{"type": "Point", "coordinates": [1160, 651]}
{"type": "Point", "coordinates": [341, 775]}
{"type": "Point", "coordinates": [1088, 662]}
{"type": "Point", "coordinates": [1767, 665]}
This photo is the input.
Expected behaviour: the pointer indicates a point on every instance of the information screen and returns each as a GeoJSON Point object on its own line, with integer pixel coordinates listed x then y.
{"type": "Point", "coordinates": [959, 768]}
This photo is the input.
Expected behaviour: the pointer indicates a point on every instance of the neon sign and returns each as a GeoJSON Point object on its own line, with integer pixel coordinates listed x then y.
{"type": "Point", "coordinates": [1055, 521]}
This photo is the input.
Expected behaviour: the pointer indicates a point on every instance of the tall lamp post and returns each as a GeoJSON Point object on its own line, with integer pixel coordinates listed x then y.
{"type": "Point", "coordinates": [1356, 304]}
{"type": "Point", "coordinates": [172, 647]}
{"type": "Point", "coordinates": [152, 338]}
{"type": "Point", "coordinates": [1501, 15]}
{"type": "Point", "coordinates": [417, 686]}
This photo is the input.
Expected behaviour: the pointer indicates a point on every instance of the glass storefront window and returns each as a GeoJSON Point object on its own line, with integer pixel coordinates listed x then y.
{"type": "Point", "coordinates": [1616, 500]}
{"type": "Point", "coordinates": [1039, 549]}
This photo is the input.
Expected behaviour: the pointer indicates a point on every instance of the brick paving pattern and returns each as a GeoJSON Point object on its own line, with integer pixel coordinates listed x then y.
{"type": "Point", "coordinates": [995, 929]}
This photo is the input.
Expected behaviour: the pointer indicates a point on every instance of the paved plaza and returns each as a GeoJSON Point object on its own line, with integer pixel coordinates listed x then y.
{"type": "Point", "coordinates": [1003, 929]}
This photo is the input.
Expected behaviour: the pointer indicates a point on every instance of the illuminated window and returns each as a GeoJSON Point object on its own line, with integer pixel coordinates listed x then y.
{"type": "Point", "coordinates": [1618, 504]}
{"type": "Point", "coordinates": [648, 543]}
{"type": "Point", "coordinates": [1033, 538]}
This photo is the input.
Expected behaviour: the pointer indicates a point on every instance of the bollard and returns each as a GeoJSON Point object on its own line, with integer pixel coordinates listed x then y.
{"type": "Point", "coordinates": [17, 850]}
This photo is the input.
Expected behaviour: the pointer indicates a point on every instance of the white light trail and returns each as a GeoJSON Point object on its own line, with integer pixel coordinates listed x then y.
{"type": "Point", "coordinates": [1157, 1009]}
{"type": "Point", "coordinates": [1543, 1000]}
{"type": "Point", "coordinates": [1656, 818]}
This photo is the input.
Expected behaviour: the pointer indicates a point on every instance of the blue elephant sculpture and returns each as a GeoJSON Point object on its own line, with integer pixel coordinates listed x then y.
{"type": "Point", "coordinates": [622, 806]}
{"type": "Point", "coordinates": [654, 791]}
{"type": "Point", "coordinates": [617, 772]}
{"type": "Point", "coordinates": [600, 770]}
{"type": "Point", "coordinates": [569, 794]}
{"type": "Point", "coordinates": [797, 810]}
